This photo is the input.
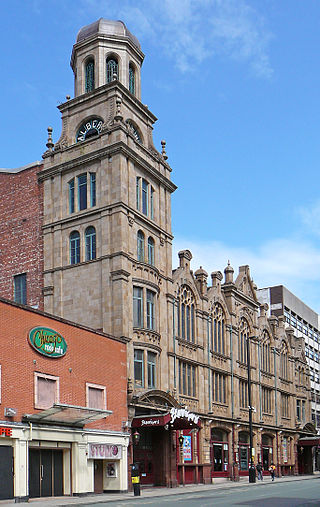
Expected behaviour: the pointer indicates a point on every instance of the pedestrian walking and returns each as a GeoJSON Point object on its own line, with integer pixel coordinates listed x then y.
{"type": "Point", "coordinates": [260, 471]}
{"type": "Point", "coordinates": [272, 470]}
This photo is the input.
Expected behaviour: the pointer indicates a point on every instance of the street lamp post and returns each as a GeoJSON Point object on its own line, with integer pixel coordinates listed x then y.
{"type": "Point", "coordinates": [252, 471]}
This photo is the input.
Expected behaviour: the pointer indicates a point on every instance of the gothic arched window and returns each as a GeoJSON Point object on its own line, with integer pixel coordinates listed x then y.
{"type": "Point", "coordinates": [90, 237]}
{"type": "Point", "coordinates": [132, 79]}
{"type": "Point", "coordinates": [74, 247]}
{"type": "Point", "coordinates": [218, 329]}
{"type": "Point", "coordinates": [265, 352]}
{"type": "Point", "coordinates": [151, 251]}
{"type": "Point", "coordinates": [89, 75]}
{"type": "Point", "coordinates": [284, 361]}
{"type": "Point", "coordinates": [140, 246]}
{"type": "Point", "coordinates": [112, 69]}
{"type": "Point", "coordinates": [186, 309]}
{"type": "Point", "coordinates": [243, 337]}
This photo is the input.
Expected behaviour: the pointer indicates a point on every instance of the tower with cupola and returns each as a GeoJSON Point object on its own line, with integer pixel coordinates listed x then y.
{"type": "Point", "coordinates": [107, 214]}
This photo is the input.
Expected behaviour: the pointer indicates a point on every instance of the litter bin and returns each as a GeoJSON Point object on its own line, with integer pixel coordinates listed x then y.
{"type": "Point", "coordinates": [135, 479]}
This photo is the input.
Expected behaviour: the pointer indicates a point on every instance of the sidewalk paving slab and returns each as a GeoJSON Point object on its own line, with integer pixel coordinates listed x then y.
{"type": "Point", "coordinates": [153, 492]}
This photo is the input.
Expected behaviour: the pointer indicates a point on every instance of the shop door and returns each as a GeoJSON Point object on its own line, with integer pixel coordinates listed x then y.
{"type": "Point", "coordinates": [45, 473]}
{"type": "Point", "coordinates": [265, 458]}
{"type": "Point", "coordinates": [6, 472]}
{"type": "Point", "coordinates": [144, 458]}
{"type": "Point", "coordinates": [219, 460]}
{"type": "Point", "coordinates": [98, 476]}
{"type": "Point", "coordinates": [244, 458]}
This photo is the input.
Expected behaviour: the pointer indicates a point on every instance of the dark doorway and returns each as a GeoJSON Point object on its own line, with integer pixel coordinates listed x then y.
{"type": "Point", "coordinates": [98, 476]}
{"type": "Point", "coordinates": [6, 472]}
{"type": "Point", "coordinates": [45, 473]}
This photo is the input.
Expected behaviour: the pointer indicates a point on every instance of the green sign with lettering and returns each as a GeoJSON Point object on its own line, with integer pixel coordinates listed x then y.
{"type": "Point", "coordinates": [47, 341]}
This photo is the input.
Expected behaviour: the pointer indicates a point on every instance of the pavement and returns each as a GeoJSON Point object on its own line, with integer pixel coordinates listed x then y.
{"type": "Point", "coordinates": [155, 492]}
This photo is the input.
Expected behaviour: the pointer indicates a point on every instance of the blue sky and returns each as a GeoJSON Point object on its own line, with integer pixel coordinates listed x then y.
{"type": "Point", "coordinates": [235, 85]}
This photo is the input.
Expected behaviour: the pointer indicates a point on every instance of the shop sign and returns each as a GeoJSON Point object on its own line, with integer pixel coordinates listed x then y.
{"type": "Point", "coordinates": [48, 342]}
{"type": "Point", "coordinates": [5, 432]}
{"type": "Point", "coordinates": [183, 413]}
{"type": "Point", "coordinates": [151, 422]}
{"type": "Point", "coordinates": [187, 456]}
{"type": "Point", "coordinates": [104, 451]}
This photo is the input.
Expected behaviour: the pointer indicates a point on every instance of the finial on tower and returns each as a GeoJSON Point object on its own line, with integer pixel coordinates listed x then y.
{"type": "Point", "coordinates": [49, 144]}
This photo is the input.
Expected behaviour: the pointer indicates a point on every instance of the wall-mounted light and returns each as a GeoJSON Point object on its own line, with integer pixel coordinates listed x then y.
{"type": "Point", "coordinates": [181, 440]}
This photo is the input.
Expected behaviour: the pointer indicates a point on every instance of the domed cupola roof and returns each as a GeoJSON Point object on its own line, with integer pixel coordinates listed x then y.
{"type": "Point", "coordinates": [107, 27]}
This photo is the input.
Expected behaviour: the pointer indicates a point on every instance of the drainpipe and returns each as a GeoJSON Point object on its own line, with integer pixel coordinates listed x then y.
{"type": "Point", "coordinates": [231, 359]}
{"type": "Point", "coordinates": [209, 370]}
{"type": "Point", "coordinates": [174, 346]}
{"type": "Point", "coordinates": [276, 404]}
{"type": "Point", "coordinates": [260, 388]}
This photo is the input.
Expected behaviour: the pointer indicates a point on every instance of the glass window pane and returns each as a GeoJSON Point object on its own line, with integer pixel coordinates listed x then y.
{"type": "Point", "coordinates": [20, 288]}
{"type": "Point", "coordinates": [82, 192]}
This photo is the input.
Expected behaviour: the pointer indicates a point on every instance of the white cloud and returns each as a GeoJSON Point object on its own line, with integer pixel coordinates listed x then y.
{"type": "Point", "coordinates": [294, 263]}
{"type": "Point", "coordinates": [191, 31]}
{"type": "Point", "coordinates": [311, 218]}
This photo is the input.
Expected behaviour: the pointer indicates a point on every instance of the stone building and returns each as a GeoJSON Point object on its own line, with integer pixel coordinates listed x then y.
{"type": "Point", "coordinates": [107, 263]}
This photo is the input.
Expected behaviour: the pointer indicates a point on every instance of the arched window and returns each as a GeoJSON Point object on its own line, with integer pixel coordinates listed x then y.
{"type": "Point", "coordinates": [243, 337]}
{"type": "Point", "coordinates": [112, 69]}
{"type": "Point", "coordinates": [140, 246]}
{"type": "Point", "coordinates": [74, 247]}
{"type": "Point", "coordinates": [265, 352]}
{"type": "Point", "coordinates": [284, 361]}
{"type": "Point", "coordinates": [186, 309]}
{"type": "Point", "coordinates": [218, 329]}
{"type": "Point", "coordinates": [151, 251]}
{"type": "Point", "coordinates": [89, 75]}
{"type": "Point", "coordinates": [90, 236]}
{"type": "Point", "coordinates": [132, 79]}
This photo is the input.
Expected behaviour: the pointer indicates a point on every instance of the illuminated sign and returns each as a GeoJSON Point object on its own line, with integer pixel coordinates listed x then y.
{"type": "Point", "coordinates": [48, 342]}
{"type": "Point", "coordinates": [5, 432]}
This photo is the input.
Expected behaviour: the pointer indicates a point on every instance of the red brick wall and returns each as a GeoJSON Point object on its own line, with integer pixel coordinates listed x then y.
{"type": "Point", "coordinates": [92, 358]}
{"type": "Point", "coordinates": [21, 245]}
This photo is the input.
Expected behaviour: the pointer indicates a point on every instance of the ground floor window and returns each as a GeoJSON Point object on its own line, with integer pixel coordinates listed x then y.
{"type": "Point", "coordinates": [219, 451]}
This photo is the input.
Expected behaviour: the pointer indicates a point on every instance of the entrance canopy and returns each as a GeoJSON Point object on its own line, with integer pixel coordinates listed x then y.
{"type": "Point", "coordinates": [69, 415]}
{"type": "Point", "coordinates": [177, 419]}
{"type": "Point", "coordinates": [309, 441]}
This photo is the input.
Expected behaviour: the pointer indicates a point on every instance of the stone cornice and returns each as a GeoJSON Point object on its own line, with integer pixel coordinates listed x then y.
{"type": "Point", "coordinates": [107, 151]}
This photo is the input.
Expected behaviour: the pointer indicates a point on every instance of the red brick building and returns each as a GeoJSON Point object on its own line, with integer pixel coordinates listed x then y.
{"type": "Point", "coordinates": [21, 240]}
{"type": "Point", "coordinates": [60, 413]}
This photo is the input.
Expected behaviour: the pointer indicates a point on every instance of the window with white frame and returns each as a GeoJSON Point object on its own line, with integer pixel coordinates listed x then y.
{"type": "Point", "coordinates": [144, 308]}
{"type": "Point", "coordinates": [96, 396]}
{"type": "Point", "coordinates": [145, 368]}
{"type": "Point", "coordinates": [46, 390]}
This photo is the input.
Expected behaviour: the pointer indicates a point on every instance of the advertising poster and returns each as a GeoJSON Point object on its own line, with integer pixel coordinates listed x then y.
{"type": "Point", "coordinates": [187, 455]}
